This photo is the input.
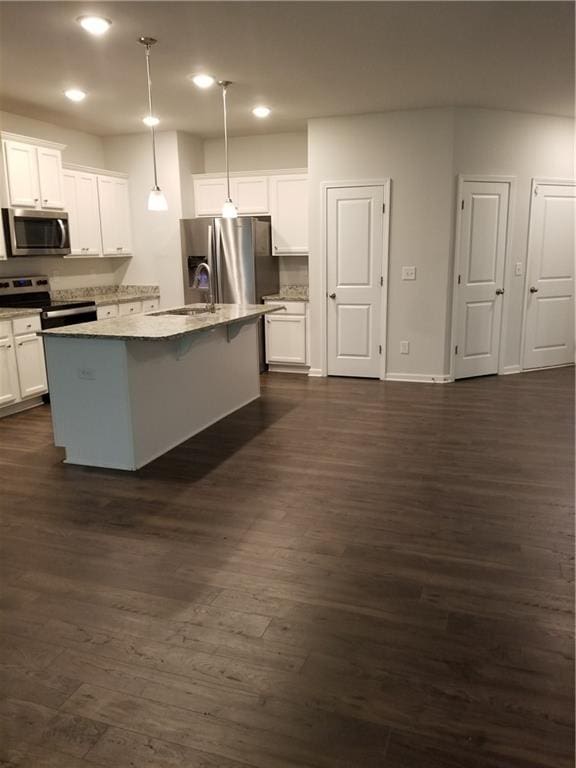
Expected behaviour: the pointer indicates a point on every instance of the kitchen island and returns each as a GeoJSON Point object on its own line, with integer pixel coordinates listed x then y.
{"type": "Point", "coordinates": [126, 390]}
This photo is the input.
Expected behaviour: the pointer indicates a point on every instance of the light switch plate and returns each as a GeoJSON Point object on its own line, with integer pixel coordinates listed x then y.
{"type": "Point", "coordinates": [408, 273]}
{"type": "Point", "coordinates": [518, 269]}
{"type": "Point", "coordinates": [404, 347]}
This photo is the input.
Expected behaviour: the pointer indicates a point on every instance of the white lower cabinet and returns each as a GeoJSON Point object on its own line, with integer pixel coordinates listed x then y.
{"type": "Point", "coordinates": [22, 366]}
{"type": "Point", "coordinates": [9, 390]}
{"type": "Point", "coordinates": [31, 365]}
{"type": "Point", "coordinates": [286, 335]}
{"type": "Point", "coordinates": [105, 311]}
{"type": "Point", "coordinates": [130, 308]}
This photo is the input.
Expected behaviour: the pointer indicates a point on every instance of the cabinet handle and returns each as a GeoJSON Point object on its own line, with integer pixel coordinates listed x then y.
{"type": "Point", "coordinates": [45, 199]}
{"type": "Point", "coordinates": [36, 199]}
{"type": "Point", "coordinates": [19, 343]}
{"type": "Point", "coordinates": [29, 325]}
{"type": "Point", "coordinates": [9, 346]}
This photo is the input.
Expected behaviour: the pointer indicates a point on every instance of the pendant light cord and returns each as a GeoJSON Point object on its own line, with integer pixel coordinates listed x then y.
{"type": "Point", "coordinates": [224, 89]}
{"type": "Point", "coordinates": [150, 113]}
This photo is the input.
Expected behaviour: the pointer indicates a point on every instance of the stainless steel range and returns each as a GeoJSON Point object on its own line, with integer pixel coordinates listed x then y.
{"type": "Point", "coordinates": [33, 292]}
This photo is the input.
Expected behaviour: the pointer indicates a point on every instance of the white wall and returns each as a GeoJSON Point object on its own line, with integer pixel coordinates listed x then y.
{"type": "Point", "coordinates": [257, 153]}
{"type": "Point", "coordinates": [524, 146]}
{"type": "Point", "coordinates": [156, 234]}
{"type": "Point", "coordinates": [82, 148]}
{"type": "Point", "coordinates": [414, 149]}
{"type": "Point", "coordinates": [423, 151]}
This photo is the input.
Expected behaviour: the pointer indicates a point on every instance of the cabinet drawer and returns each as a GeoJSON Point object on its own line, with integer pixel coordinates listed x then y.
{"type": "Point", "coordinates": [131, 308]}
{"type": "Point", "coordinates": [286, 339]}
{"type": "Point", "coordinates": [289, 307]}
{"type": "Point", "coordinates": [26, 324]}
{"type": "Point", "coordinates": [150, 305]}
{"type": "Point", "coordinates": [107, 310]}
{"type": "Point", "coordinates": [5, 329]}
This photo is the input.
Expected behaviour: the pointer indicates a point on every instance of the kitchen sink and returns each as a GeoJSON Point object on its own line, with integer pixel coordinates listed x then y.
{"type": "Point", "coordinates": [185, 311]}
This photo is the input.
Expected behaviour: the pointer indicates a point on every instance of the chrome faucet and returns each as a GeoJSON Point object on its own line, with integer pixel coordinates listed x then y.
{"type": "Point", "coordinates": [205, 266]}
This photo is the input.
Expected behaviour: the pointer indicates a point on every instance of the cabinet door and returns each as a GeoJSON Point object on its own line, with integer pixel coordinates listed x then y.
{"type": "Point", "coordinates": [289, 212]}
{"type": "Point", "coordinates": [130, 308]}
{"type": "Point", "coordinates": [250, 194]}
{"type": "Point", "coordinates": [50, 176]}
{"type": "Point", "coordinates": [123, 213]}
{"type": "Point", "coordinates": [114, 215]}
{"type": "Point", "coordinates": [9, 391]}
{"type": "Point", "coordinates": [209, 196]}
{"type": "Point", "coordinates": [286, 339]}
{"type": "Point", "coordinates": [31, 367]}
{"type": "Point", "coordinates": [69, 184]}
{"type": "Point", "coordinates": [22, 174]}
{"type": "Point", "coordinates": [88, 214]}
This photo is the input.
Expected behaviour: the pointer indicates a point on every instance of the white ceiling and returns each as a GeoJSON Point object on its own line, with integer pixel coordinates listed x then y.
{"type": "Point", "coordinates": [303, 59]}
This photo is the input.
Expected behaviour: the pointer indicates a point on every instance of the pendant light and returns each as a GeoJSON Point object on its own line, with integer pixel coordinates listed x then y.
{"type": "Point", "coordinates": [156, 199]}
{"type": "Point", "coordinates": [229, 210]}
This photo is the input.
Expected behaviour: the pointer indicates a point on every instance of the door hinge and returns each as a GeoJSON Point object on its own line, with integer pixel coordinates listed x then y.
{"type": "Point", "coordinates": [379, 349]}
{"type": "Point", "coordinates": [462, 205]}
{"type": "Point", "coordinates": [381, 280]}
{"type": "Point", "coordinates": [456, 349]}
{"type": "Point", "coordinates": [459, 279]}
{"type": "Point", "coordinates": [535, 190]}
{"type": "Point", "coordinates": [383, 207]}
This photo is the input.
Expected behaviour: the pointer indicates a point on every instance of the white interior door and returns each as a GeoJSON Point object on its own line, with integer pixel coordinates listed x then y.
{"type": "Point", "coordinates": [480, 261]}
{"type": "Point", "coordinates": [549, 319]}
{"type": "Point", "coordinates": [354, 252]}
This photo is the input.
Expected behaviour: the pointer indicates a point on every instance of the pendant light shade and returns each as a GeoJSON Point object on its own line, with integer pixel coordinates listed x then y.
{"type": "Point", "coordinates": [156, 199]}
{"type": "Point", "coordinates": [229, 210]}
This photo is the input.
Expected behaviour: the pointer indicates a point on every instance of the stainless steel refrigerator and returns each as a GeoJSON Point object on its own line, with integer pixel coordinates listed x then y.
{"type": "Point", "coordinates": [239, 253]}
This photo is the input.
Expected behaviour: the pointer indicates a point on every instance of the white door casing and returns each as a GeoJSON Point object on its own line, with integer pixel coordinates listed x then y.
{"type": "Point", "coordinates": [355, 219]}
{"type": "Point", "coordinates": [549, 310]}
{"type": "Point", "coordinates": [481, 247]}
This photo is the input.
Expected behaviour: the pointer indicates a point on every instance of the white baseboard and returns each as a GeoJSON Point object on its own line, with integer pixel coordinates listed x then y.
{"type": "Point", "coordinates": [509, 369]}
{"type": "Point", "coordinates": [316, 372]}
{"type": "Point", "coordinates": [302, 369]}
{"type": "Point", "coordinates": [22, 405]}
{"type": "Point", "coordinates": [422, 378]}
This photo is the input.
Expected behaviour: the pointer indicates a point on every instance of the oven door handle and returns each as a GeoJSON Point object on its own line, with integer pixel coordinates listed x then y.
{"type": "Point", "coordinates": [62, 233]}
{"type": "Point", "coordinates": [49, 314]}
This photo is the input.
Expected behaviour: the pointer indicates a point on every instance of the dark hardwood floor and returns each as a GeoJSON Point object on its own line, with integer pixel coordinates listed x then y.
{"type": "Point", "coordinates": [343, 574]}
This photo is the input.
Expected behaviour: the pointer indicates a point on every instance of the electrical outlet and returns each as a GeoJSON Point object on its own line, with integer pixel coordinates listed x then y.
{"type": "Point", "coordinates": [88, 374]}
{"type": "Point", "coordinates": [518, 269]}
{"type": "Point", "coordinates": [404, 347]}
{"type": "Point", "coordinates": [408, 273]}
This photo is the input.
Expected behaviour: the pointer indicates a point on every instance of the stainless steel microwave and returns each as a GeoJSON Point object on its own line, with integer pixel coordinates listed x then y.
{"type": "Point", "coordinates": [36, 233]}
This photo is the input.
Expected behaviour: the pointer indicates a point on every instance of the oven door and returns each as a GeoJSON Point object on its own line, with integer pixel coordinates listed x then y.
{"type": "Point", "coordinates": [55, 318]}
{"type": "Point", "coordinates": [36, 233]}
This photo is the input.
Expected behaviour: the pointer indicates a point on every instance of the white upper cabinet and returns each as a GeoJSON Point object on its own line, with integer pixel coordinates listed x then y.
{"type": "Point", "coordinates": [289, 212]}
{"type": "Point", "coordinates": [34, 174]}
{"type": "Point", "coordinates": [22, 173]}
{"type": "Point", "coordinates": [209, 196]}
{"type": "Point", "coordinates": [250, 194]}
{"type": "Point", "coordinates": [81, 202]}
{"type": "Point", "coordinates": [50, 177]}
{"type": "Point", "coordinates": [115, 215]}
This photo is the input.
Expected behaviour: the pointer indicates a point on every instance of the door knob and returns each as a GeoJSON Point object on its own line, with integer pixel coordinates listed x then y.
{"type": "Point", "coordinates": [332, 295]}
{"type": "Point", "coordinates": [499, 291]}
{"type": "Point", "coordinates": [533, 289]}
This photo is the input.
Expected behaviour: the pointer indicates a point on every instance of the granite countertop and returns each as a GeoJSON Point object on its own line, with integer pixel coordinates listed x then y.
{"type": "Point", "coordinates": [158, 326]}
{"type": "Point", "coordinates": [289, 293]}
{"type": "Point", "coordinates": [8, 313]}
{"type": "Point", "coordinates": [108, 294]}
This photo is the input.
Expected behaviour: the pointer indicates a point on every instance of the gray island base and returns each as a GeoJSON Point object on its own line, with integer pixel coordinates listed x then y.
{"type": "Point", "coordinates": [125, 391]}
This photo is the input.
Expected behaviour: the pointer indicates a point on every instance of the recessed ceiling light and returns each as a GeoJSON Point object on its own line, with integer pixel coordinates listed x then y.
{"type": "Point", "coordinates": [203, 81]}
{"type": "Point", "coordinates": [75, 94]}
{"type": "Point", "coordinates": [96, 25]}
{"type": "Point", "coordinates": [261, 111]}
{"type": "Point", "coordinates": [150, 121]}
